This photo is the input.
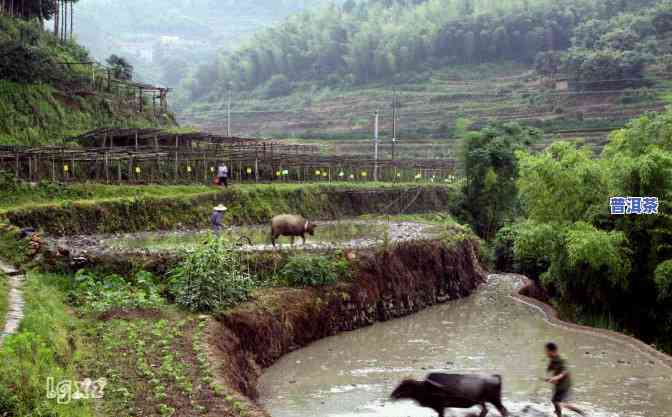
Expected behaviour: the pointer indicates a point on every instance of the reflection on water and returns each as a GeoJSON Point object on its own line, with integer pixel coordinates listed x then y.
{"type": "Point", "coordinates": [352, 374]}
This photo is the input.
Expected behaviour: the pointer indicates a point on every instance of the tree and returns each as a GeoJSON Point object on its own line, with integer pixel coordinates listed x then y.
{"type": "Point", "coordinates": [490, 167]}
{"type": "Point", "coordinates": [600, 265]}
{"type": "Point", "coordinates": [121, 69]}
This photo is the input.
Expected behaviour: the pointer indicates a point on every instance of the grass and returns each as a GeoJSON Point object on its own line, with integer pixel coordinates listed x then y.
{"type": "Point", "coordinates": [154, 363]}
{"type": "Point", "coordinates": [42, 113]}
{"type": "Point", "coordinates": [100, 213]}
{"type": "Point", "coordinates": [46, 345]}
{"type": "Point", "coordinates": [12, 248]}
{"type": "Point", "coordinates": [33, 197]}
{"type": "Point", "coordinates": [78, 193]}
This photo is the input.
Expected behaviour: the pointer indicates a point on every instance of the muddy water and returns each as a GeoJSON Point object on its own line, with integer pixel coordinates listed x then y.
{"type": "Point", "coordinates": [352, 374]}
{"type": "Point", "coordinates": [327, 232]}
{"type": "Point", "coordinates": [328, 235]}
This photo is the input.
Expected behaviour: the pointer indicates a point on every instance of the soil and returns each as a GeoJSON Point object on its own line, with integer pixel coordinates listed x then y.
{"type": "Point", "coordinates": [389, 284]}
{"type": "Point", "coordinates": [108, 245]}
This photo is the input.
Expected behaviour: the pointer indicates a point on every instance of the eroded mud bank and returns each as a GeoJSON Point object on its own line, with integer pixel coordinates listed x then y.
{"type": "Point", "coordinates": [388, 284]}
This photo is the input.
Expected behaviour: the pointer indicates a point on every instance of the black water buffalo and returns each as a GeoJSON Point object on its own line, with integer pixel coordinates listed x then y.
{"type": "Point", "coordinates": [440, 391]}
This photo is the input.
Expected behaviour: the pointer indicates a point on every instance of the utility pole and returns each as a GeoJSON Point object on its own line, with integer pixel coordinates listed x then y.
{"type": "Point", "coordinates": [375, 147]}
{"type": "Point", "coordinates": [394, 121]}
{"type": "Point", "coordinates": [228, 114]}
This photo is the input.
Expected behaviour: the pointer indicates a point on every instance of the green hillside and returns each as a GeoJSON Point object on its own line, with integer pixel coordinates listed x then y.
{"type": "Point", "coordinates": [42, 99]}
{"type": "Point", "coordinates": [324, 73]}
{"type": "Point", "coordinates": [165, 41]}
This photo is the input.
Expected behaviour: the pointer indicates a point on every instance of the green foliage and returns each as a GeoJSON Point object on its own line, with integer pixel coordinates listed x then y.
{"type": "Point", "coordinates": [121, 69]}
{"type": "Point", "coordinates": [663, 278]}
{"type": "Point", "coordinates": [594, 67]}
{"type": "Point", "coordinates": [380, 40]}
{"type": "Point", "coordinates": [211, 278]}
{"type": "Point", "coordinates": [23, 64]}
{"type": "Point", "coordinates": [12, 248]}
{"type": "Point", "coordinates": [604, 252]}
{"type": "Point", "coordinates": [115, 209]}
{"type": "Point", "coordinates": [562, 184]}
{"type": "Point", "coordinates": [96, 293]}
{"type": "Point", "coordinates": [490, 167]}
{"type": "Point", "coordinates": [606, 266]}
{"type": "Point", "coordinates": [13, 191]}
{"type": "Point", "coordinates": [43, 348]}
{"type": "Point", "coordinates": [310, 270]}
{"type": "Point", "coordinates": [37, 102]}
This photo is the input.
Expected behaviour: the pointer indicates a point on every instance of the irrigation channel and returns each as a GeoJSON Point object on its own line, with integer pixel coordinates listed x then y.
{"type": "Point", "coordinates": [353, 374]}
{"type": "Point", "coordinates": [329, 235]}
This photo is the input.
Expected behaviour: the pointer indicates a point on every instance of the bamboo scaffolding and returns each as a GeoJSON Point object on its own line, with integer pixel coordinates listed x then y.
{"type": "Point", "coordinates": [153, 156]}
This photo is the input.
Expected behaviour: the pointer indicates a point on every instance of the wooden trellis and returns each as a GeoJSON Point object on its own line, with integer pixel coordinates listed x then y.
{"type": "Point", "coordinates": [155, 156]}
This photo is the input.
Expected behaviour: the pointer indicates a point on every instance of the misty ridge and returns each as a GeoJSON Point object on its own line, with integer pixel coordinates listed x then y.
{"type": "Point", "coordinates": [204, 48]}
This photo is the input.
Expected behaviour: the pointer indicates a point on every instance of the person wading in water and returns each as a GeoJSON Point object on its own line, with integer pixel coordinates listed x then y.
{"type": "Point", "coordinates": [216, 218]}
{"type": "Point", "coordinates": [561, 379]}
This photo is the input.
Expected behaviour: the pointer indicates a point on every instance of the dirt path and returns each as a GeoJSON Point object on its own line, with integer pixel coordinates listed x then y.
{"type": "Point", "coordinates": [16, 304]}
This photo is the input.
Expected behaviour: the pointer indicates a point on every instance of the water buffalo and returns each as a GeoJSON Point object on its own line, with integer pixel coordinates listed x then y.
{"type": "Point", "coordinates": [291, 225]}
{"type": "Point", "coordinates": [440, 391]}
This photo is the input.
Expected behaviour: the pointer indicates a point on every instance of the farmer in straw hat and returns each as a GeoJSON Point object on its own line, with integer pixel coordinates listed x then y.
{"type": "Point", "coordinates": [216, 218]}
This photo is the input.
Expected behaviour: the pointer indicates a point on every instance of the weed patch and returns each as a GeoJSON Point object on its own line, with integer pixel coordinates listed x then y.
{"type": "Point", "coordinates": [46, 346]}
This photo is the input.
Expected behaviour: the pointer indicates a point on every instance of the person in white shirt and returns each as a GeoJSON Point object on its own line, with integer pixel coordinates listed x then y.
{"type": "Point", "coordinates": [223, 175]}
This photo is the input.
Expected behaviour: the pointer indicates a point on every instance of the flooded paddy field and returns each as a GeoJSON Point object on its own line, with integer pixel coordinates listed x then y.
{"type": "Point", "coordinates": [353, 374]}
{"type": "Point", "coordinates": [344, 234]}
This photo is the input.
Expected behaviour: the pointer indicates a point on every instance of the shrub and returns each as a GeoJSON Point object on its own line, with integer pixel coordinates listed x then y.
{"type": "Point", "coordinates": [210, 278]}
{"type": "Point", "coordinates": [24, 64]}
{"type": "Point", "coordinates": [306, 270]}
{"type": "Point", "coordinates": [503, 248]}
{"type": "Point", "coordinates": [95, 293]}
{"type": "Point", "coordinates": [663, 278]}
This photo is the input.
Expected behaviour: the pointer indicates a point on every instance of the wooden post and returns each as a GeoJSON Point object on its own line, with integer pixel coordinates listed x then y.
{"type": "Point", "coordinates": [177, 165]}
{"type": "Point", "coordinates": [141, 101]}
{"type": "Point", "coordinates": [136, 140]}
{"type": "Point", "coordinates": [205, 168]}
{"type": "Point", "coordinates": [107, 163]}
{"type": "Point", "coordinates": [256, 170]}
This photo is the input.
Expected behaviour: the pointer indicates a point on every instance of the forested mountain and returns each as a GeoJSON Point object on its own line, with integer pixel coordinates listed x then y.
{"type": "Point", "coordinates": [164, 39]}
{"type": "Point", "coordinates": [359, 41]}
